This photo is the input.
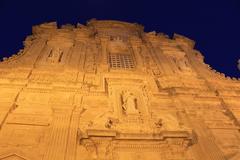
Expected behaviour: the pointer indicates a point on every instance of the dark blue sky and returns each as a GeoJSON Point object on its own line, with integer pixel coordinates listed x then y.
{"type": "Point", "coordinates": [213, 24]}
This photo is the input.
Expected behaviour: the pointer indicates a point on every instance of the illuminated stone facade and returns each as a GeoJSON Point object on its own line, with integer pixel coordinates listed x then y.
{"type": "Point", "coordinates": [109, 91]}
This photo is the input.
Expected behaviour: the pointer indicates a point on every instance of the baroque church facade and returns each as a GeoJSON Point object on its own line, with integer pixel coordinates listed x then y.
{"type": "Point", "coordinates": [108, 90]}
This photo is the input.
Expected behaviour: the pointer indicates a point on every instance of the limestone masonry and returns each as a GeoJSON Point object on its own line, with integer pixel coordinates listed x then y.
{"type": "Point", "coordinates": [109, 91]}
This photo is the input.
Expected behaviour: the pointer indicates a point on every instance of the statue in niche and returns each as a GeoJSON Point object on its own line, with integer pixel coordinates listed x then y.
{"type": "Point", "coordinates": [55, 55]}
{"type": "Point", "coordinates": [129, 103]}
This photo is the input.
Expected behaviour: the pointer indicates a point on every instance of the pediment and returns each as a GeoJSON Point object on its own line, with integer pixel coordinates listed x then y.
{"type": "Point", "coordinates": [12, 157]}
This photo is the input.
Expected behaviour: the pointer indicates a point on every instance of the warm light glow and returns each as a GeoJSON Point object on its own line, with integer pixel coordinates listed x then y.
{"type": "Point", "coordinates": [110, 91]}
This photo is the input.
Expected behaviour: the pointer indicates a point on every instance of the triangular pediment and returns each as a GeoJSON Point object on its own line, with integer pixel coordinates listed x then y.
{"type": "Point", "coordinates": [12, 157]}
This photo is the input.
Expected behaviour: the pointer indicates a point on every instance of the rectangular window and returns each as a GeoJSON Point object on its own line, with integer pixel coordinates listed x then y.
{"type": "Point", "coordinates": [121, 61]}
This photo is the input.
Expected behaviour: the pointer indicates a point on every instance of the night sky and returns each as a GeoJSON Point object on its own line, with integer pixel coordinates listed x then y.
{"type": "Point", "coordinates": [213, 24]}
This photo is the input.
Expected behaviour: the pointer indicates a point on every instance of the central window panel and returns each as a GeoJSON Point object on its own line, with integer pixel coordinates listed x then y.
{"type": "Point", "coordinates": [121, 61]}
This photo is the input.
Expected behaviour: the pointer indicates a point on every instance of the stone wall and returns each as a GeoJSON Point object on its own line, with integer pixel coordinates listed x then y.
{"type": "Point", "coordinates": [109, 91]}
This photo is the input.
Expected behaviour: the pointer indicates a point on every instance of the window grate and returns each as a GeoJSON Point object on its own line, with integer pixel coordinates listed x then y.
{"type": "Point", "coordinates": [121, 61]}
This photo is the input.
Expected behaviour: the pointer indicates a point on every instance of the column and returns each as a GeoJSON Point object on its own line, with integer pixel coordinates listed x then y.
{"type": "Point", "coordinates": [59, 135]}
{"type": "Point", "coordinates": [104, 54]}
{"type": "Point", "coordinates": [72, 137]}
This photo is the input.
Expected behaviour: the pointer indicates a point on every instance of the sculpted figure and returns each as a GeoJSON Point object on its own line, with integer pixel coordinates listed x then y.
{"type": "Point", "coordinates": [129, 103]}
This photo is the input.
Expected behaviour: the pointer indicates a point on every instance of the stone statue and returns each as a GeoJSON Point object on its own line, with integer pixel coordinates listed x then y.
{"type": "Point", "coordinates": [129, 103]}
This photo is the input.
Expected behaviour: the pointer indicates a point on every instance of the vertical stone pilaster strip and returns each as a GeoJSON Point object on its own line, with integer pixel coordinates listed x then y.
{"type": "Point", "coordinates": [205, 147]}
{"type": "Point", "coordinates": [209, 144]}
{"type": "Point", "coordinates": [59, 135]}
{"type": "Point", "coordinates": [72, 138]}
{"type": "Point", "coordinates": [104, 53]}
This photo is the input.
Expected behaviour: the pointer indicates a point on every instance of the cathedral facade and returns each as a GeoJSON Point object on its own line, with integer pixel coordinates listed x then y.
{"type": "Point", "coordinates": [108, 90]}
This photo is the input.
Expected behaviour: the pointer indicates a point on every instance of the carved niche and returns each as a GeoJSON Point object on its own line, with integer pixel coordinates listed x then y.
{"type": "Point", "coordinates": [55, 55]}
{"type": "Point", "coordinates": [59, 45]}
